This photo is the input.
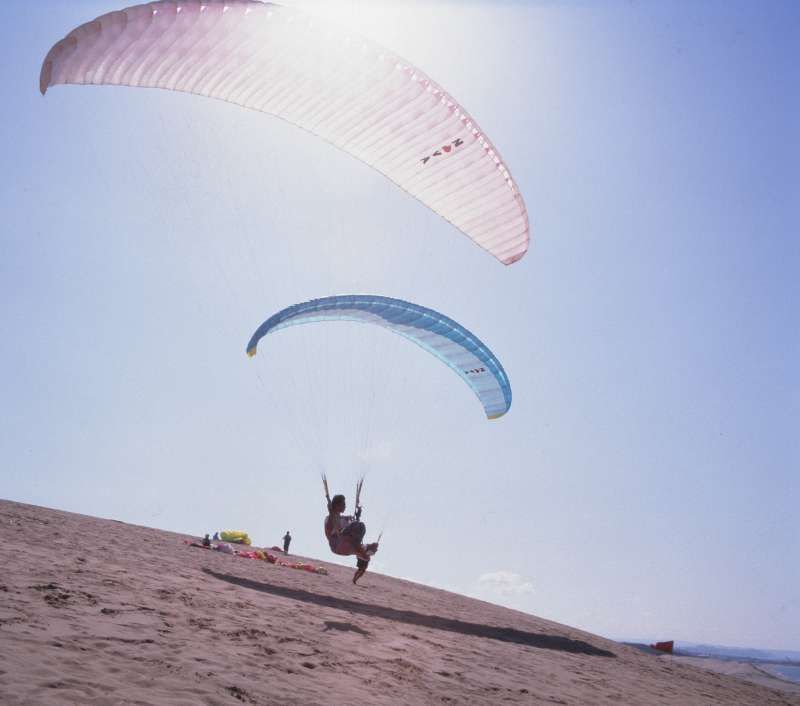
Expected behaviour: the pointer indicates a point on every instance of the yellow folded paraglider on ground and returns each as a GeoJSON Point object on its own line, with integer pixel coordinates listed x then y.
{"type": "Point", "coordinates": [235, 536]}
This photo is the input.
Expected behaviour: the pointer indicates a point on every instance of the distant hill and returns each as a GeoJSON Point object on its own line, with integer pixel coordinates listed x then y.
{"type": "Point", "coordinates": [740, 653]}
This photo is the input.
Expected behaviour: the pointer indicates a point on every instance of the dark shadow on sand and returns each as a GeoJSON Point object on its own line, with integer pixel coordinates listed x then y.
{"type": "Point", "coordinates": [531, 639]}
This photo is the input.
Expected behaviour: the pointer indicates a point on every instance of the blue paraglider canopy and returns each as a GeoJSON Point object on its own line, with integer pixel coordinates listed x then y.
{"type": "Point", "coordinates": [438, 334]}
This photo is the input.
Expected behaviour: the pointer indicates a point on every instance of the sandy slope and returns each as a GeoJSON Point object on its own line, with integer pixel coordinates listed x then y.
{"type": "Point", "coordinates": [99, 612]}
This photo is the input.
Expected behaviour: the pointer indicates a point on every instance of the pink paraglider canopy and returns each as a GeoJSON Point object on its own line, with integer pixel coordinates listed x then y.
{"type": "Point", "coordinates": [349, 91]}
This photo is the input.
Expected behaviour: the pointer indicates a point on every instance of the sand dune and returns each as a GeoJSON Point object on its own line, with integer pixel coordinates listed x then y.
{"type": "Point", "coordinates": [100, 612]}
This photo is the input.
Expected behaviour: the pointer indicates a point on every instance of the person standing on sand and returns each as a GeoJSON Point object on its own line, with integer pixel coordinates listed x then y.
{"type": "Point", "coordinates": [345, 534]}
{"type": "Point", "coordinates": [287, 540]}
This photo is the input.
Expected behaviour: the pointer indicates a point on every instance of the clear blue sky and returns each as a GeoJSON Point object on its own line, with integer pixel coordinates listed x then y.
{"type": "Point", "coordinates": [645, 482]}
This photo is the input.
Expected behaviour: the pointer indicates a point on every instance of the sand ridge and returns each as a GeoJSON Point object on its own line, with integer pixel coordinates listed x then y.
{"type": "Point", "coordinates": [100, 612]}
